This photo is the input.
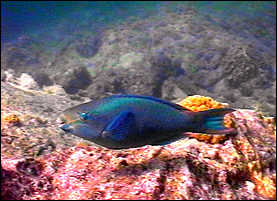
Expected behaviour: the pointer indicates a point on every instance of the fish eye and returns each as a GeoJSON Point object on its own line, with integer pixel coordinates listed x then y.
{"type": "Point", "coordinates": [83, 115]}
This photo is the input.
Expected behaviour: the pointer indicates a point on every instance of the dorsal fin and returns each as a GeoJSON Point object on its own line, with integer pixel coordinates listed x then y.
{"type": "Point", "coordinates": [176, 106]}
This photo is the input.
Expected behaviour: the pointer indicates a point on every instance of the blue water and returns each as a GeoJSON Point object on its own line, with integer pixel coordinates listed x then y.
{"type": "Point", "coordinates": [21, 17]}
{"type": "Point", "coordinates": [50, 20]}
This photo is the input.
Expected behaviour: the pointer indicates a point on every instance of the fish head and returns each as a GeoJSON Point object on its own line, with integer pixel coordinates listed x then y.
{"type": "Point", "coordinates": [81, 129]}
{"type": "Point", "coordinates": [89, 132]}
{"type": "Point", "coordinates": [70, 116]}
{"type": "Point", "coordinates": [76, 113]}
{"type": "Point", "coordinates": [77, 121]}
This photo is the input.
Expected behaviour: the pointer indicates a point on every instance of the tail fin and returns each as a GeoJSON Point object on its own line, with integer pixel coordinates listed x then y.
{"type": "Point", "coordinates": [212, 122]}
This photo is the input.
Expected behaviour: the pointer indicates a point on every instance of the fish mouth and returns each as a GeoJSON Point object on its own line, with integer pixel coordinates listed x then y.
{"type": "Point", "coordinates": [60, 121]}
{"type": "Point", "coordinates": [66, 128]}
{"type": "Point", "coordinates": [63, 124]}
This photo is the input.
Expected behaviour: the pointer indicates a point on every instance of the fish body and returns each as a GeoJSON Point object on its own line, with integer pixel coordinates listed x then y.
{"type": "Point", "coordinates": [128, 121]}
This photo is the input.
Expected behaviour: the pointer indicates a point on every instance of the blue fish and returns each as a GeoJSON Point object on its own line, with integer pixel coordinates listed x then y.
{"type": "Point", "coordinates": [129, 121]}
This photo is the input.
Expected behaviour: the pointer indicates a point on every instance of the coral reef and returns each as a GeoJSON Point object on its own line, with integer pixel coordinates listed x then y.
{"type": "Point", "coordinates": [240, 167]}
{"type": "Point", "coordinates": [74, 79]}
{"type": "Point", "coordinates": [89, 47]}
{"type": "Point", "coordinates": [26, 81]}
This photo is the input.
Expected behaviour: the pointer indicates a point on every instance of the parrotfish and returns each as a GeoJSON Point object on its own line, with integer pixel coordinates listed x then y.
{"type": "Point", "coordinates": [129, 121]}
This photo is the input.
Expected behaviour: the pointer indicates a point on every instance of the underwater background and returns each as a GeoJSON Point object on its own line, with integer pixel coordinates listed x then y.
{"type": "Point", "coordinates": [36, 18]}
{"type": "Point", "coordinates": [221, 49]}
{"type": "Point", "coordinates": [199, 54]}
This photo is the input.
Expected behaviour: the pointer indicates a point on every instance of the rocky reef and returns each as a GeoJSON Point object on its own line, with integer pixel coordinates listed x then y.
{"type": "Point", "coordinates": [38, 162]}
{"type": "Point", "coordinates": [171, 55]}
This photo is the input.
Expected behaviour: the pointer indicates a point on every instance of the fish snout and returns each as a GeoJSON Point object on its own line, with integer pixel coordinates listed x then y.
{"type": "Point", "coordinates": [66, 128]}
{"type": "Point", "coordinates": [60, 121]}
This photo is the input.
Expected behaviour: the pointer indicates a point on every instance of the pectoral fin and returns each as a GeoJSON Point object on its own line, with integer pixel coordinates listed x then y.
{"type": "Point", "coordinates": [121, 126]}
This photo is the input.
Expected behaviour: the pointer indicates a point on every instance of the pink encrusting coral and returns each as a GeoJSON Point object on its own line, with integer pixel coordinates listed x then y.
{"type": "Point", "coordinates": [24, 179]}
{"type": "Point", "coordinates": [97, 173]}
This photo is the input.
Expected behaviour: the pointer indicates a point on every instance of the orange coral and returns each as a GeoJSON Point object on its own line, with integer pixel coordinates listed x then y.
{"type": "Point", "coordinates": [10, 119]}
{"type": "Point", "coordinates": [264, 185]}
{"type": "Point", "coordinates": [213, 139]}
{"type": "Point", "coordinates": [201, 103]}
{"type": "Point", "coordinates": [229, 122]}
